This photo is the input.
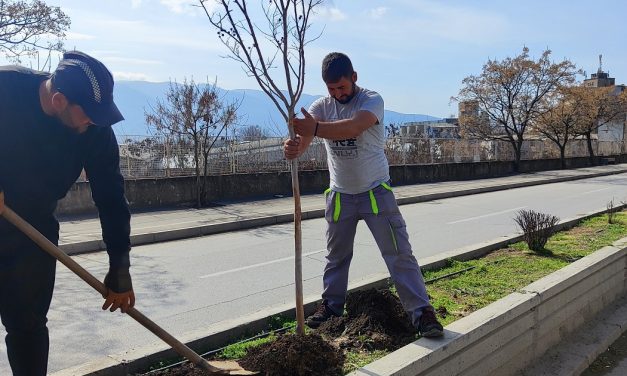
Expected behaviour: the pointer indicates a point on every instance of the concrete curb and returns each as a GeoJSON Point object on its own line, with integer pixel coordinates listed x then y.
{"type": "Point", "coordinates": [216, 336]}
{"type": "Point", "coordinates": [215, 228]}
{"type": "Point", "coordinates": [506, 336]}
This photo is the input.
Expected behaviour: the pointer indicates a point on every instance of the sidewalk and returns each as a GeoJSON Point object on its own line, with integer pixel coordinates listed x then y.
{"type": "Point", "coordinates": [80, 235]}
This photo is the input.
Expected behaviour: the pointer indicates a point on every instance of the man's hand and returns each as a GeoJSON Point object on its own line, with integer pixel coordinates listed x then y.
{"type": "Point", "coordinates": [291, 148]}
{"type": "Point", "coordinates": [119, 290]}
{"type": "Point", "coordinates": [115, 300]}
{"type": "Point", "coordinates": [305, 126]}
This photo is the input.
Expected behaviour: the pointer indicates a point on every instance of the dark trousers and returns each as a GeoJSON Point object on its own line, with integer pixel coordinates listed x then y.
{"type": "Point", "coordinates": [27, 276]}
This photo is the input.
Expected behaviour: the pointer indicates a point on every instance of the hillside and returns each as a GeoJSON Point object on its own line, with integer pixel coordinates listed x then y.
{"type": "Point", "coordinates": [135, 97]}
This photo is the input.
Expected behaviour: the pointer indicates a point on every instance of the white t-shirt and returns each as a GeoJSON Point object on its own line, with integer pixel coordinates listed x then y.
{"type": "Point", "coordinates": [359, 164]}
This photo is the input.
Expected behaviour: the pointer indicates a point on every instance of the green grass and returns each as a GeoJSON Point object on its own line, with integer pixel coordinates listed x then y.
{"type": "Point", "coordinates": [504, 271]}
{"type": "Point", "coordinates": [492, 277]}
{"type": "Point", "coordinates": [356, 359]}
{"type": "Point", "coordinates": [238, 350]}
{"type": "Point", "coordinates": [507, 270]}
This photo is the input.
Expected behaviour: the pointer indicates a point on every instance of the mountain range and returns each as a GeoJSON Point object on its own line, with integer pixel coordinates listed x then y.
{"type": "Point", "coordinates": [134, 98]}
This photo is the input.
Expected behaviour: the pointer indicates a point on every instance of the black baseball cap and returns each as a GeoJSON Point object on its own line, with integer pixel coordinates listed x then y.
{"type": "Point", "coordinates": [88, 83]}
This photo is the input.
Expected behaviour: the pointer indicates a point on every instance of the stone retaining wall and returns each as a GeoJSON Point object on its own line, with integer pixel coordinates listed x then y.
{"type": "Point", "coordinates": [152, 193]}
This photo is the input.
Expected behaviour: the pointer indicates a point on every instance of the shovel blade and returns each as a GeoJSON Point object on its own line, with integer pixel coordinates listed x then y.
{"type": "Point", "coordinates": [231, 367]}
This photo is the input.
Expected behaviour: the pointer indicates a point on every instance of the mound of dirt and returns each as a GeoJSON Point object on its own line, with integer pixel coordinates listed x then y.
{"type": "Point", "coordinates": [375, 320]}
{"type": "Point", "coordinates": [294, 355]}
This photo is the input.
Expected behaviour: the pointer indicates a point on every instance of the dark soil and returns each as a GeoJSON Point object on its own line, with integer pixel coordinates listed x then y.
{"type": "Point", "coordinates": [295, 355]}
{"type": "Point", "coordinates": [375, 320]}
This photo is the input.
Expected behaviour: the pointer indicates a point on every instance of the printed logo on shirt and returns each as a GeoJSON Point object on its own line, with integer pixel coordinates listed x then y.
{"type": "Point", "coordinates": [345, 149]}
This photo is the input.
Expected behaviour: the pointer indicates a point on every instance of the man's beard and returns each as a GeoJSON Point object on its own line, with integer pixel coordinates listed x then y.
{"type": "Point", "coordinates": [65, 118]}
{"type": "Point", "coordinates": [348, 97]}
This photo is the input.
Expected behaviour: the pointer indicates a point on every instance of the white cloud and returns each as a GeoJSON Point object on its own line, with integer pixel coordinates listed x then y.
{"type": "Point", "coordinates": [377, 13]}
{"type": "Point", "coordinates": [130, 76]}
{"type": "Point", "coordinates": [136, 3]}
{"type": "Point", "coordinates": [181, 6]}
{"type": "Point", "coordinates": [104, 52]}
{"type": "Point", "coordinates": [329, 14]}
{"type": "Point", "coordinates": [78, 36]}
{"type": "Point", "coordinates": [131, 61]}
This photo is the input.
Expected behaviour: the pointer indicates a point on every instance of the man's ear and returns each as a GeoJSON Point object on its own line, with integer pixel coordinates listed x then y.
{"type": "Point", "coordinates": [354, 77]}
{"type": "Point", "coordinates": [59, 102]}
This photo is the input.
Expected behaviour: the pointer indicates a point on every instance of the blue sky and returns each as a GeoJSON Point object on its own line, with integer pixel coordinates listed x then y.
{"type": "Point", "coordinates": [415, 53]}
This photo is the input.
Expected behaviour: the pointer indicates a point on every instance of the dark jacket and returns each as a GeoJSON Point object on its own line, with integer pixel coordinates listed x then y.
{"type": "Point", "coordinates": [40, 159]}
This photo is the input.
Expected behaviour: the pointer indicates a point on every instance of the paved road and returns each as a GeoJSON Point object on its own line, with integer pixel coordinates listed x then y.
{"type": "Point", "coordinates": [190, 284]}
{"type": "Point", "coordinates": [84, 234]}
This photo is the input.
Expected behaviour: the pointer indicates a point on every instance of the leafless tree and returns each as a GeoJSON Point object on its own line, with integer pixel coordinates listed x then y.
{"type": "Point", "coordinates": [252, 133]}
{"type": "Point", "coordinates": [195, 112]}
{"type": "Point", "coordinates": [27, 26]}
{"type": "Point", "coordinates": [567, 111]}
{"type": "Point", "coordinates": [508, 96]}
{"type": "Point", "coordinates": [269, 53]}
{"type": "Point", "coordinates": [605, 105]}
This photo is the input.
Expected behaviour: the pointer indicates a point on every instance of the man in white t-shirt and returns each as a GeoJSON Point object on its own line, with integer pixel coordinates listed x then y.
{"type": "Point", "coordinates": [350, 120]}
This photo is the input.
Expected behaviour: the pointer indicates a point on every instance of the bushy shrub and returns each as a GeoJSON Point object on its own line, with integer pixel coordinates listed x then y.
{"type": "Point", "coordinates": [537, 228]}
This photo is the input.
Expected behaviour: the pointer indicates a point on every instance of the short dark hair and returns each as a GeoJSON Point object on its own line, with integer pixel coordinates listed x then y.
{"type": "Point", "coordinates": [335, 66]}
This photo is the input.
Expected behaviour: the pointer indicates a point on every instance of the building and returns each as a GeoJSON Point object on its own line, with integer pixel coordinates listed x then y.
{"type": "Point", "coordinates": [471, 115]}
{"type": "Point", "coordinates": [445, 129]}
{"type": "Point", "coordinates": [616, 130]}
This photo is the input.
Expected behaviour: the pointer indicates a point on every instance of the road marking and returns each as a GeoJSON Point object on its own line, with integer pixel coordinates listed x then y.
{"type": "Point", "coordinates": [595, 191]}
{"type": "Point", "coordinates": [564, 198]}
{"type": "Point", "coordinates": [257, 265]}
{"type": "Point", "coordinates": [486, 215]}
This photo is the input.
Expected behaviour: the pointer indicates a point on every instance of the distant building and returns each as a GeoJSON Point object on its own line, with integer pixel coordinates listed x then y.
{"type": "Point", "coordinates": [600, 78]}
{"type": "Point", "coordinates": [446, 128]}
{"type": "Point", "coordinates": [471, 116]}
{"type": "Point", "coordinates": [616, 130]}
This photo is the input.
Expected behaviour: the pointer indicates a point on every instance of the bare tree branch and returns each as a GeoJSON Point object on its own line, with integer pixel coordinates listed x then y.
{"type": "Point", "coordinates": [195, 113]}
{"type": "Point", "coordinates": [285, 33]}
{"type": "Point", "coordinates": [507, 97]}
{"type": "Point", "coordinates": [26, 27]}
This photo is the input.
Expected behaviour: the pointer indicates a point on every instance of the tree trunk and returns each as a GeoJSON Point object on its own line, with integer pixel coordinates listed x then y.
{"type": "Point", "coordinates": [298, 242]}
{"type": "Point", "coordinates": [205, 159]}
{"type": "Point", "coordinates": [590, 148]}
{"type": "Point", "coordinates": [517, 145]}
{"type": "Point", "coordinates": [562, 156]}
{"type": "Point", "coordinates": [197, 170]}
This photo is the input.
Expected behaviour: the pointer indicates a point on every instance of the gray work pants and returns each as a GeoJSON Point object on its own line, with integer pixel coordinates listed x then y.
{"type": "Point", "coordinates": [379, 210]}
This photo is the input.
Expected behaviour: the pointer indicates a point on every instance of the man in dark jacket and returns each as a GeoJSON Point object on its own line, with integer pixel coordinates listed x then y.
{"type": "Point", "coordinates": [52, 126]}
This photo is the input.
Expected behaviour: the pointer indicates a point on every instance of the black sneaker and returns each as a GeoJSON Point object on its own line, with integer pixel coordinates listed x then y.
{"type": "Point", "coordinates": [321, 315]}
{"type": "Point", "coordinates": [429, 326]}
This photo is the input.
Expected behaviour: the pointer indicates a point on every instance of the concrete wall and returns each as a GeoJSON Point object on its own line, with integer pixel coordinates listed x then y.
{"type": "Point", "coordinates": [145, 194]}
{"type": "Point", "coordinates": [506, 336]}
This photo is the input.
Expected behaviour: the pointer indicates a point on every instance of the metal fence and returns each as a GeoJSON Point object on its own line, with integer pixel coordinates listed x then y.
{"type": "Point", "coordinates": [163, 157]}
